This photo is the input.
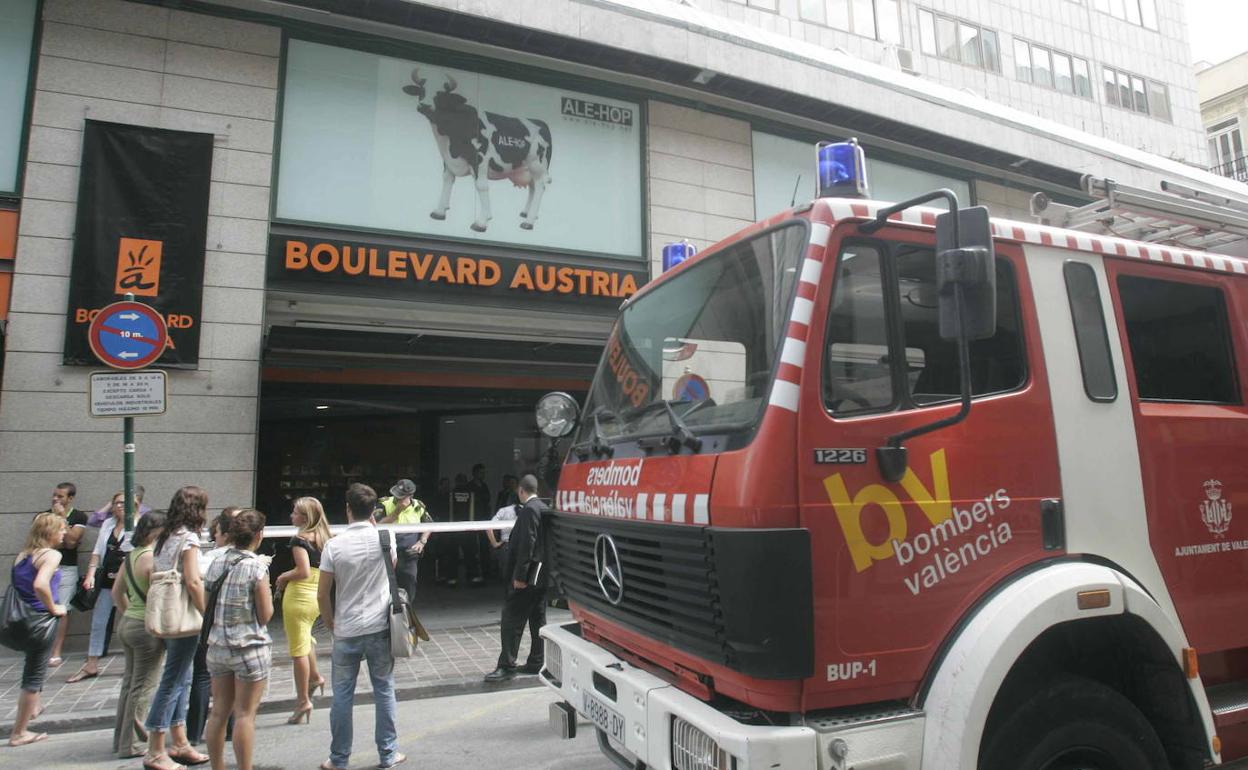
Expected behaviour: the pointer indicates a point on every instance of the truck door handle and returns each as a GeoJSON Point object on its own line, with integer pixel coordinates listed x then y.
{"type": "Point", "coordinates": [1053, 524]}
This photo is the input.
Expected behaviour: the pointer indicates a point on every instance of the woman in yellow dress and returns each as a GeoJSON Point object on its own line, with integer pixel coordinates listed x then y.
{"type": "Point", "coordinates": [299, 609]}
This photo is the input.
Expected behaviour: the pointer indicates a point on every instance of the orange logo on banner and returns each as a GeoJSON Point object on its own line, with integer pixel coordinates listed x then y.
{"type": "Point", "coordinates": [138, 267]}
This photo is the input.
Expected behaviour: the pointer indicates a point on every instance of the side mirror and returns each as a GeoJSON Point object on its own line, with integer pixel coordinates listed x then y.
{"type": "Point", "coordinates": [964, 258]}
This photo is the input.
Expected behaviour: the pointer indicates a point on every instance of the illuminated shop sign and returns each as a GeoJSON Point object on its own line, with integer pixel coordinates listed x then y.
{"type": "Point", "coordinates": [414, 270]}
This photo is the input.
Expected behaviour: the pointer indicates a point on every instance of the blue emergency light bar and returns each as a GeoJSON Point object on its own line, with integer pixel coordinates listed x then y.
{"type": "Point", "coordinates": [841, 168]}
{"type": "Point", "coordinates": [675, 253]}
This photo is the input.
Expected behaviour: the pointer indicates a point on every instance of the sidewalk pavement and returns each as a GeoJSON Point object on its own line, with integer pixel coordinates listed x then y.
{"type": "Point", "coordinates": [463, 647]}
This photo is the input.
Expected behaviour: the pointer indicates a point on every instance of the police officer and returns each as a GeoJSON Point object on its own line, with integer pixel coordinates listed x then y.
{"type": "Point", "coordinates": [463, 508]}
{"type": "Point", "coordinates": [402, 507]}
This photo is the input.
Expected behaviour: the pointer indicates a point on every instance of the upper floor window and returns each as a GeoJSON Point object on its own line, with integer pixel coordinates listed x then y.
{"type": "Point", "coordinates": [1226, 150]}
{"type": "Point", "coordinates": [1034, 63]}
{"type": "Point", "coordinates": [880, 19]}
{"type": "Point", "coordinates": [884, 348]}
{"type": "Point", "coordinates": [1139, 12]}
{"type": "Point", "coordinates": [959, 40]}
{"type": "Point", "coordinates": [1180, 340]}
{"type": "Point", "coordinates": [1132, 92]}
{"type": "Point", "coordinates": [17, 34]}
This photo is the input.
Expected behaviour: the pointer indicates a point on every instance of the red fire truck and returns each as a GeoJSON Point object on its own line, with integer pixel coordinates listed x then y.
{"type": "Point", "coordinates": [947, 493]}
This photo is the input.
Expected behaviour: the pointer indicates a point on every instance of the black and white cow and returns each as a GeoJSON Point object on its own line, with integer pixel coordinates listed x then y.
{"type": "Point", "coordinates": [484, 146]}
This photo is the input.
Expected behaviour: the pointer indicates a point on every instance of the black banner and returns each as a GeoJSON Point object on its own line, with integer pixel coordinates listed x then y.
{"type": "Point", "coordinates": [405, 269]}
{"type": "Point", "coordinates": [141, 226]}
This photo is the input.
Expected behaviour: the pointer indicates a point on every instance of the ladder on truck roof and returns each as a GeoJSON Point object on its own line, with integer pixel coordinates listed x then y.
{"type": "Point", "coordinates": [1176, 216]}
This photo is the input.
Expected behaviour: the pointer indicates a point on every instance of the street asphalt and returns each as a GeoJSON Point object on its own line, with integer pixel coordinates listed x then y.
{"type": "Point", "coordinates": [506, 729]}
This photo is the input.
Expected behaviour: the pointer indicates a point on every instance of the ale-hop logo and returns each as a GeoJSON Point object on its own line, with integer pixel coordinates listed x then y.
{"type": "Point", "coordinates": [956, 538]}
{"type": "Point", "coordinates": [138, 267]}
{"type": "Point", "coordinates": [597, 112]}
{"type": "Point", "coordinates": [1214, 511]}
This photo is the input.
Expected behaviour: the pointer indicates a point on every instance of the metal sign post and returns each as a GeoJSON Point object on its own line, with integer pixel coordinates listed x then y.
{"type": "Point", "coordinates": [129, 336]}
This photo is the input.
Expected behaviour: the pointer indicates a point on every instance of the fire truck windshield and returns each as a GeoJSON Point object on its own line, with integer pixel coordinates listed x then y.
{"type": "Point", "coordinates": [706, 340]}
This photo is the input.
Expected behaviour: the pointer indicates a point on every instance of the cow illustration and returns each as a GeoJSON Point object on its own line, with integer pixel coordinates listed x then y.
{"type": "Point", "coordinates": [484, 146]}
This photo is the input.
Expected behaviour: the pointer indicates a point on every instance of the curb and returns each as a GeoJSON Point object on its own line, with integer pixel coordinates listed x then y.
{"type": "Point", "coordinates": [98, 720]}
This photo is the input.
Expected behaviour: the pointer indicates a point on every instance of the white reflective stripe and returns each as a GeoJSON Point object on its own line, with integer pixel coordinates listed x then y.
{"type": "Point", "coordinates": [701, 508]}
{"type": "Point", "coordinates": [912, 216]}
{"type": "Point", "coordinates": [819, 235]}
{"type": "Point", "coordinates": [811, 270]}
{"type": "Point", "coordinates": [1083, 243]}
{"type": "Point", "coordinates": [1132, 250]}
{"type": "Point", "coordinates": [784, 395]}
{"type": "Point", "coordinates": [658, 507]}
{"type": "Point", "coordinates": [803, 309]}
{"type": "Point", "coordinates": [641, 504]}
{"type": "Point", "coordinates": [1237, 265]}
{"type": "Point", "coordinates": [579, 505]}
{"type": "Point", "coordinates": [793, 352]}
{"type": "Point", "coordinates": [678, 508]}
{"type": "Point", "coordinates": [841, 210]}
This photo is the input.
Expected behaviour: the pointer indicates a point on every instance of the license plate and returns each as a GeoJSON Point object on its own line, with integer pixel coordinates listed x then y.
{"type": "Point", "coordinates": [606, 718]}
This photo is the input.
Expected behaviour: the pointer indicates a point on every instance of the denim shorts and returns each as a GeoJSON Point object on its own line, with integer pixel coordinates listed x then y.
{"type": "Point", "coordinates": [247, 664]}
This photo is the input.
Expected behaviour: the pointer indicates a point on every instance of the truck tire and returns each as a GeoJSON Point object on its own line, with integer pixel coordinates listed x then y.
{"type": "Point", "coordinates": [1074, 724]}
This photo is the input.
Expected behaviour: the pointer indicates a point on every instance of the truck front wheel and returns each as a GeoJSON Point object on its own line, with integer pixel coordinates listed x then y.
{"type": "Point", "coordinates": [1074, 724]}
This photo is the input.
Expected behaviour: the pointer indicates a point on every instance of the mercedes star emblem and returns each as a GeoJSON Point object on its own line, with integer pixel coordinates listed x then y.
{"type": "Point", "coordinates": [607, 567]}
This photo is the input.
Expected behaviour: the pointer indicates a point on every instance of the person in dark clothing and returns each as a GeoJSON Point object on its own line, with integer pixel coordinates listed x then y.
{"type": "Point", "coordinates": [507, 495]}
{"type": "Point", "coordinates": [439, 507]}
{"type": "Point", "coordinates": [463, 508]}
{"type": "Point", "coordinates": [525, 597]}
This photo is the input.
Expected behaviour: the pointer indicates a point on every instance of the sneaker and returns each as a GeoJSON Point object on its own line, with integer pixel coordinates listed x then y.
{"type": "Point", "coordinates": [452, 582]}
{"type": "Point", "coordinates": [531, 668]}
{"type": "Point", "coordinates": [500, 674]}
{"type": "Point", "coordinates": [478, 581]}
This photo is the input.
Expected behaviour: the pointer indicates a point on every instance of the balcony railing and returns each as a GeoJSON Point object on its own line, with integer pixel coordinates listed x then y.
{"type": "Point", "coordinates": [1236, 169]}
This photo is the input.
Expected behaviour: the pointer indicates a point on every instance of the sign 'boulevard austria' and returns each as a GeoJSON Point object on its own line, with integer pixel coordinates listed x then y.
{"type": "Point", "coordinates": [382, 269]}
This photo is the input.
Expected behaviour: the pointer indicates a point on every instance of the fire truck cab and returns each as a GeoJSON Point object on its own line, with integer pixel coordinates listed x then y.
{"type": "Point", "coordinates": [854, 490]}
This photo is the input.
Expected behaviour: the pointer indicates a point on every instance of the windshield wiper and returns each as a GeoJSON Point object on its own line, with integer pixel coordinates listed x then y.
{"type": "Point", "coordinates": [598, 444]}
{"type": "Point", "coordinates": [681, 435]}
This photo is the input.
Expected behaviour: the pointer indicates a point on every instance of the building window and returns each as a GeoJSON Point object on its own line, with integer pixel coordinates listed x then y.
{"type": "Point", "coordinates": [1180, 340]}
{"type": "Point", "coordinates": [960, 41]}
{"type": "Point", "coordinates": [1142, 13]}
{"type": "Point", "coordinates": [1226, 150]}
{"type": "Point", "coordinates": [1132, 92]}
{"type": "Point", "coordinates": [17, 34]}
{"type": "Point", "coordinates": [879, 19]}
{"type": "Point", "coordinates": [1043, 66]}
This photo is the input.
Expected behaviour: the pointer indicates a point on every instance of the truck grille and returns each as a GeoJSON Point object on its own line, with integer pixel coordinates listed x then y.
{"type": "Point", "coordinates": [669, 589]}
{"type": "Point", "coordinates": [697, 589]}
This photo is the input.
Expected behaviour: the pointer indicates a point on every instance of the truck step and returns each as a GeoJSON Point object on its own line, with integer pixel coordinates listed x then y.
{"type": "Point", "coordinates": [1239, 764]}
{"type": "Point", "coordinates": [1229, 703]}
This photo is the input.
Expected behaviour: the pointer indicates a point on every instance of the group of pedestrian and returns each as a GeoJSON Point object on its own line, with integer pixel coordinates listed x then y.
{"type": "Point", "coordinates": [192, 618]}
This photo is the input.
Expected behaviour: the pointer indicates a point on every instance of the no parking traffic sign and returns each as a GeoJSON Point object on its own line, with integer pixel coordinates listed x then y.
{"type": "Point", "coordinates": [127, 335]}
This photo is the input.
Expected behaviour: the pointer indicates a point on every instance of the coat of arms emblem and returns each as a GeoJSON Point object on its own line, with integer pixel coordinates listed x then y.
{"type": "Point", "coordinates": [1214, 511]}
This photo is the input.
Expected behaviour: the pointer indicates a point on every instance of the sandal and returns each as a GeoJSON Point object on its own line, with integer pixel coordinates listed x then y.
{"type": "Point", "coordinates": [32, 738]}
{"type": "Point", "coordinates": [82, 675]}
{"type": "Point", "coordinates": [54, 662]}
{"type": "Point", "coordinates": [190, 757]}
{"type": "Point", "coordinates": [151, 764]}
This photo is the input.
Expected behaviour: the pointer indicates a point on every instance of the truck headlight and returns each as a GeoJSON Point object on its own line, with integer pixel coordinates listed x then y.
{"type": "Point", "coordinates": [554, 662]}
{"type": "Point", "coordinates": [693, 749]}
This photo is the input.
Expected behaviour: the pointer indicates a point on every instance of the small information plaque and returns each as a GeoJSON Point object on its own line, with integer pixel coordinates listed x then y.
{"type": "Point", "coordinates": [127, 394]}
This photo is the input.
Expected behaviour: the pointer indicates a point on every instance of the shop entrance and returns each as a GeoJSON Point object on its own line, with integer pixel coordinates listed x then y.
{"type": "Point", "coordinates": [335, 410]}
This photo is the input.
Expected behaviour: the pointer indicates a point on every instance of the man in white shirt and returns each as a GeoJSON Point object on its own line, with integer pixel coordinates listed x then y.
{"type": "Point", "coordinates": [358, 615]}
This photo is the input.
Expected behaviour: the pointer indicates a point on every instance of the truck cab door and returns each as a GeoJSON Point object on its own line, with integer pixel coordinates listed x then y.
{"type": "Point", "coordinates": [896, 565]}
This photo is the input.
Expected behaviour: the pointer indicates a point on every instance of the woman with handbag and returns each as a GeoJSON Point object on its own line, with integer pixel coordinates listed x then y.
{"type": "Point", "coordinates": [201, 680]}
{"type": "Point", "coordinates": [106, 557]}
{"type": "Point", "coordinates": [145, 654]}
{"type": "Point", "coordinates": [31, 613]}
{"type": "Point", "coordinates": [175, 603]}
{"type": "Point", "coordinates": [297, 588]}
{"type": "Point", "coordinates": [239, 646]}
